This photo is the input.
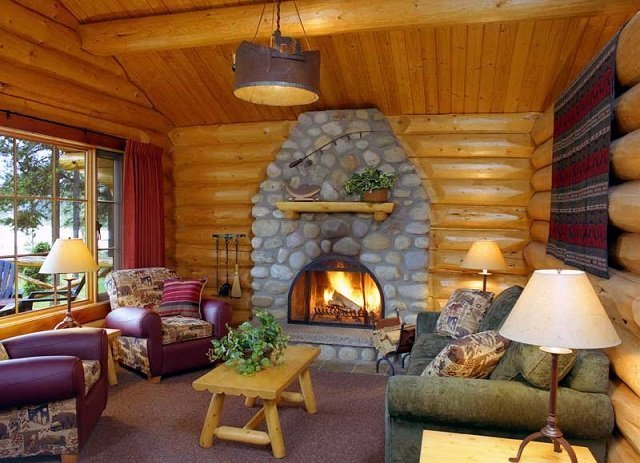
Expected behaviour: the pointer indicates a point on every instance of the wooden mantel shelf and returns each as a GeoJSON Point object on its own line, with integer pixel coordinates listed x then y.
{"type": "Point", "coordinates": [292, 209]}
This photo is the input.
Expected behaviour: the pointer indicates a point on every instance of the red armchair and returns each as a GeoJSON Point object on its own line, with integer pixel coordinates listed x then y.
{"type": "Point", "coordinates": [155, 345]}
{"type": "Point", "coordinates": [53, 389]}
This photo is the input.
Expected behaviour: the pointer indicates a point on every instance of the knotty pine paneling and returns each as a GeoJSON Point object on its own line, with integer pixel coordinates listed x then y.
{"type": "Point", "coordinates": [465, 68]}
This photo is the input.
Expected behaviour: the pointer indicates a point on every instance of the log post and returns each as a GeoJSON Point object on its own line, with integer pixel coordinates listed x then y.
{"type": "Point", "coordinates": [624, 207]}
{"type": "Point", "coordinates": [627, 109]}
{"type": "Point", "coordinates": [539, 207]}
{"type": "Point", "coordinates": [625, 156]}
{"type": "Point", "coordinates": [625, 358]}
{"type": "Point", "coordinates": [628, 53]}
{"type": "Point", "coordinates": [627, 406]}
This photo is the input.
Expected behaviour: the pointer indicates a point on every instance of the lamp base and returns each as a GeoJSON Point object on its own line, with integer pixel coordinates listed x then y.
{"type": "Point", "coordinates": [550, 430]}
{"type": "Point", "coordinates": [67, 322]}
{"type": "Point", "coordinates": [558, 442]}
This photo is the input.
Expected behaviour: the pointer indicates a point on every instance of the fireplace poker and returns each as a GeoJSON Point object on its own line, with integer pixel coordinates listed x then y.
{"type": "Point", "coordinates": [226, 287]}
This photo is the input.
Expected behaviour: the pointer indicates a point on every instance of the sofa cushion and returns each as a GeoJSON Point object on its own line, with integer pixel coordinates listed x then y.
{"type": "Point", "coordinates": [590, 373]}
{"type": "Point", "coordinates": [91, 374]}
{"type": "Point", "coordinates": [463, 312]}
{"type": "Point", "coordinates": [3, 353]}
{"type": "Point", "coordinates": [473, 356]}
{"type": "Point", "coordinates": [138, 287]}
{"type": "Point", "coordinates": [425, 348]}
{"type": "Point", "coordinates": [500, 309]}
{"type": "Point", "coordinates": [181, 297]}
{"type": "Point", "coordinates": [531, 364]}
{"type": "Point", "coordinates": [178, 329]}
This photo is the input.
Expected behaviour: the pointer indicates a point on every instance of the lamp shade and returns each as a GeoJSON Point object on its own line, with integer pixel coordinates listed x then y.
{"type": "Point", "coordinates": [484, 254]}
{"type": "Point", "coordinates": [560, 309]}
{"type": "Point", "coordinates": [69, 256]}
{"type": "Point", "coordinates": [266, 76]}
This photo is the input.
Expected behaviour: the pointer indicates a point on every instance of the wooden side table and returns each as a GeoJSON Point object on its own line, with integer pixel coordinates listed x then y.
{"type": "Point", "coordinates": [112, 335]}
{"type": "Point", "coordinates": [450, 447]}
{"type": "Point", "coordinates": [268, 385]}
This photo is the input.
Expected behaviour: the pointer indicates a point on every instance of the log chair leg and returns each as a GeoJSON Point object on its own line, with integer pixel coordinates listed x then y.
{"type": "Point", "coordinates": [68, 458]}
{"type": "Point", "coordinates": [211, 420]}
{"type": "Point", "coordinates": [307, 392]}
{"type": "Point", "coordinates": [273, 426]}
{"type": "Point", "coordinates": [249, 401]}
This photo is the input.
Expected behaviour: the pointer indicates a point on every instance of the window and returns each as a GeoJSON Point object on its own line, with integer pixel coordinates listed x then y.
{"type": "Point", "coordinates": [51, 189]}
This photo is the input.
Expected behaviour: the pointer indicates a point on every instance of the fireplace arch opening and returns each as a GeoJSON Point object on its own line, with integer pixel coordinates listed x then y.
{"type": "Point", "coordinates": [335, 290]}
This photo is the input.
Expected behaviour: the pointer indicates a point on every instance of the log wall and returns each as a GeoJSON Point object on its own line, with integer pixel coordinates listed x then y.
{"type": "Point", "coordinates": [217, 170]}
{"type": "Point", "coordinates": [44, 73]}
{"type": "Point", "coordinates": [476, 170]}
{"type": "Point", "coordinates": [620, 294]}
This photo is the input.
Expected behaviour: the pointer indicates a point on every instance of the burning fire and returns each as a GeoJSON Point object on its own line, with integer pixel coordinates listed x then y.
{"type": "Point", "coordinates": [342, 284]}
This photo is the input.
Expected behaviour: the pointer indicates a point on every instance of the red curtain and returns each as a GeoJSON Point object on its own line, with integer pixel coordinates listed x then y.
{"type": "Point", "coordinates": [143, 242]}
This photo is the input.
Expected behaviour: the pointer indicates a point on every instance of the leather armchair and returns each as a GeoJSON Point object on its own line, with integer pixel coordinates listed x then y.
{"type": "Point", "coordinates": [144, 343]}
{"type": "Point", "coordinates": [43, 391]}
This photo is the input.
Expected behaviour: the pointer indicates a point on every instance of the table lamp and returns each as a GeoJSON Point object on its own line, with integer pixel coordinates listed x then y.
{"type": "Point", "coordinates": [559, 311]}
{"type": "Point", "coordinates": [484, 255]}
{"type": "Point", "coordinates": [68, 256]}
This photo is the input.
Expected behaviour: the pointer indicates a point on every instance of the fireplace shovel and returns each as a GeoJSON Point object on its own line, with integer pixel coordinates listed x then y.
{"type": "Point", "coordinates": [217, 259]}
{"type": "Point", "coordinates": [226, 287]}
{"type": "Point", "coordinates": [236, 289]}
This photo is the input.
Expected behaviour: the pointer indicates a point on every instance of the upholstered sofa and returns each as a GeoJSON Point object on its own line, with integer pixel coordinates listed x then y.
{"type": "Point", "coordinates": [53, 389]}
{"type": "Point", "coordinates": [490, 406]}
{"type": "Point", "coordinates": [156, 345]}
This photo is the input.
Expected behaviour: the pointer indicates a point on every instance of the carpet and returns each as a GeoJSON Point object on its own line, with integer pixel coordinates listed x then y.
{"type": "Point", "coordinates": [161, 423]}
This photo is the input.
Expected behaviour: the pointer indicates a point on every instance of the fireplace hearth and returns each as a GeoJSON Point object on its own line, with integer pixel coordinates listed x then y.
{"type": "Point", "coordinates": [335, 290]}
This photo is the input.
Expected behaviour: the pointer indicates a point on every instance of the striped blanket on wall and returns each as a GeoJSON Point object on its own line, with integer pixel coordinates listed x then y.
{"type": "Point", "coordinates": [580, 180]}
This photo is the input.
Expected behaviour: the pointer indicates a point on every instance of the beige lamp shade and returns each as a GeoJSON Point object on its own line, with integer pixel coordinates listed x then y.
{"type": "Point", "coordinates": [560, 309]}
{"type": "Point", "coordinates": [484, 255]}
{"type": "Point", "coordinates": [69, 255]}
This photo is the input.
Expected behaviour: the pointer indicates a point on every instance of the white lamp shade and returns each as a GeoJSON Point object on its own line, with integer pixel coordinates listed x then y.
{"type": "Point", "coordinates": [560, 309]}
{"type": "Point", "coordinates": [484, 254]}
{"type": "Point", "coordinates": [69, 256]}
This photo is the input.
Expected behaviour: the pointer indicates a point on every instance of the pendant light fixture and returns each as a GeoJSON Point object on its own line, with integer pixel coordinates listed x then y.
{"type": "Point", "coordinates": [279, 75]}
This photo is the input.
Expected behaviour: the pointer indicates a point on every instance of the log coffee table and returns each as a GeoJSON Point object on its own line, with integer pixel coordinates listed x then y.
{"type": "Point", "coordinates": [268, 385]}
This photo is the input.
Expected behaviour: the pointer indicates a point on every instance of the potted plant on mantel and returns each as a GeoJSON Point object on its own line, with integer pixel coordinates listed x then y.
{"type": "Point", "coordinates": [373, 184]}
{"type": "Point", "coordinates": [251, 348]}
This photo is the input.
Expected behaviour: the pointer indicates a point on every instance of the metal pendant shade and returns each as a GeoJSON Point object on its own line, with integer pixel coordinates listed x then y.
{"type": "Point", "coordinates": [266, 76]}
{"type": "Point", "coordinates": [278, 75]}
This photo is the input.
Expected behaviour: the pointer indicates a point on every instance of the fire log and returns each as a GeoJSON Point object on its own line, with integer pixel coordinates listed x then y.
{"type": "Point", "coordinates": [342, 300]}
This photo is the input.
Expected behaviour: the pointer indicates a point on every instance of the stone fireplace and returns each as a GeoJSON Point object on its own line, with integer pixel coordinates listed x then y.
{"type": "Point", "coordinates": [335, 290]}
{"type": "Point", "coordinates": [394, 252]}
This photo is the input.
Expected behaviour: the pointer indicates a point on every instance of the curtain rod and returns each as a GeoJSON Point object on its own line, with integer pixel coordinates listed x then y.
{"type": "Point", "coordinates": [108, 141]}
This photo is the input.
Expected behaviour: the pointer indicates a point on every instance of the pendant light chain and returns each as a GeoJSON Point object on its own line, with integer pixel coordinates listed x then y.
{"type": "Point", "coordinates": [304, 32]}
{"type": "Point", "coordinates": [278, 15]}
{"type": "Point", "coordinates": [264, 5]}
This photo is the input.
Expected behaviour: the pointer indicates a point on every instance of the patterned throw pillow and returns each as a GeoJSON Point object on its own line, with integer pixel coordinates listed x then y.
{"type": "Point", "coordinates": [473, 356]}
{"type": "Point", "coordinates": [181, 297]}
{"type": "Point", "coordinates": [3, 353]}
{"type": "Point", "coordinates": [463, 313]}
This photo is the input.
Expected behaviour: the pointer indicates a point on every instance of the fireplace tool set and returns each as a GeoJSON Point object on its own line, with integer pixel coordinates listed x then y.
{"type": "Point", "coordinates": [226, 289]}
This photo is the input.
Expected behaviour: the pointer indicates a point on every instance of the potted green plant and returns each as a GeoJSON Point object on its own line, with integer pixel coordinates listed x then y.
{"type": "Point", "coordinates": [251, 348]}
{"type": "Point", "coordinates": [373, 184]}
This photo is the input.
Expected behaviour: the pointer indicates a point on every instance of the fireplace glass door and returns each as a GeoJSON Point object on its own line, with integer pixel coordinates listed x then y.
{"type": "Point", "coordinates": [335, 291]}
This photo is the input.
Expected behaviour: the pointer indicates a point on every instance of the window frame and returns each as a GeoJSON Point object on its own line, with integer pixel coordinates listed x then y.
{"type": "Point", "coordinates": [91, 207]}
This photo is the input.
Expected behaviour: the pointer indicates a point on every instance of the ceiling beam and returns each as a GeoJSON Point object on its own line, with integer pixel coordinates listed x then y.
{"type": "Point", "coordinates": [322, 17]}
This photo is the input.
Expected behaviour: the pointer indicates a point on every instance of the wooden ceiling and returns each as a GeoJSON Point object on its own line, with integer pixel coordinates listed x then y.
{"type": "Point", "coordinates": [472, 67]}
